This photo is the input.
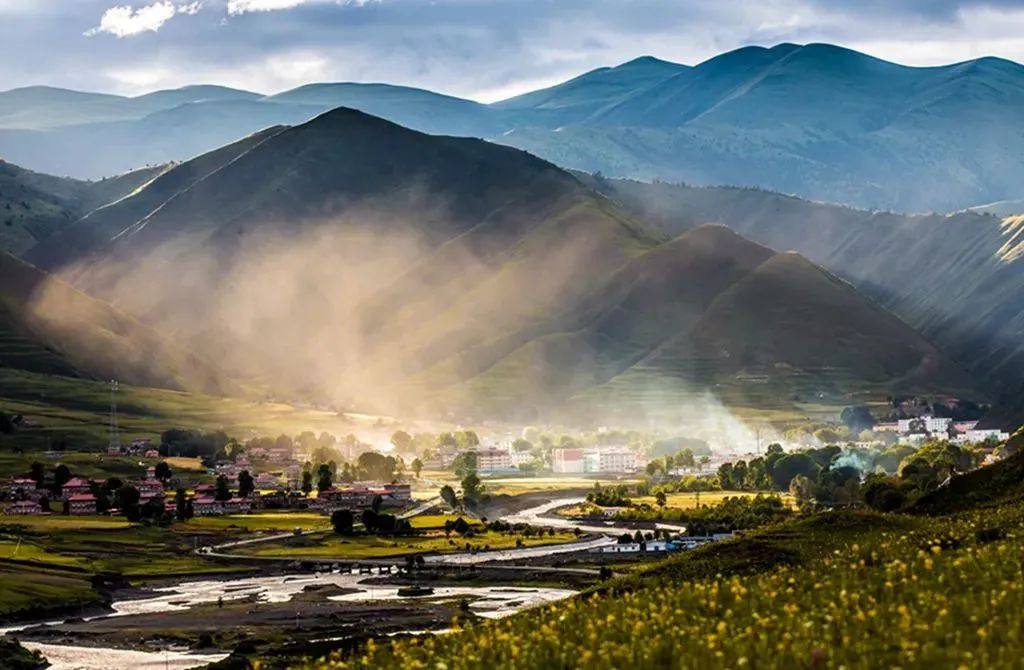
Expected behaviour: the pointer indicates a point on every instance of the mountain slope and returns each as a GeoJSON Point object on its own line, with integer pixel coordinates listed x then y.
{"type": "Point", "coordinates": [34, 207]}
{"type": "Point", "coordinates": [957, 278]}
{"type": "Point", "coordinates": [49, 327]}
{"type": "Point", "coordinates": [369, 265]}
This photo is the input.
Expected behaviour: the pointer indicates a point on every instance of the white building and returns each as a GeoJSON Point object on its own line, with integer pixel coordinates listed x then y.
{"type": "Point", "coordinates": [932, 424]}
{"type": "Point", "coordinates": [609, 460]}
{"type": "Point", "coordinates": [567, 461]}
{"type": "Point", "coordinates": [982, 434]}
{"type": "Point", "coordinates": [489, 461]}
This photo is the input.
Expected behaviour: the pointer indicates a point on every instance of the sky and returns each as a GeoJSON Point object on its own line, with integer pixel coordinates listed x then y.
{"type": "Point", "coordinates": [481, 49]}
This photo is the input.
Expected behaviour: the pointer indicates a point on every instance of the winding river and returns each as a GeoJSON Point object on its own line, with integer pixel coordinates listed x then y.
{"type": "Point", "coordinates": [486, 601]}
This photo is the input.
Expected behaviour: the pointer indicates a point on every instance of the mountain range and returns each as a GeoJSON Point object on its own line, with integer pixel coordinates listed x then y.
{"type": "Point", "coordinates": [352, 260]}
{"type": "Point", "coordinates": [817, 120]}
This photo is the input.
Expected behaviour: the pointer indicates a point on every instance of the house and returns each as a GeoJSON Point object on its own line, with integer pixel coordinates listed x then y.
{"type": "Point", "coordinates": [82, 504]}
{"type": "Point", "coordinates": [237, 506]}
{"type": "Point", "coordinates": [492, 460]}
{"type": "Point", "coordinates": [567, 461]}
{"type": "Point", "coordinates": [25, 507]}
{"type": "Point", "coordinates": [75, 486]}
{"type": "Point", "coordinates": [148, 487]}
{"type": "Point", "coordinates": [207, 506]}
{"type": "Point", "coordinates": [609, 460]}
{"type": "Point", "coordinates": [266, 480]}
{"type": "Point", "coordinates": [930, 424]}
{"type": "Point", "coordinates": [398, 494]}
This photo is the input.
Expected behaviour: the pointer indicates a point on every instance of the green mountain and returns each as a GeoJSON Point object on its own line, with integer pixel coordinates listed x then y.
{"type": "Point", "coordinates": [35, 207]}
{"type": "Point", "coordinates": [819, 120]}
{"type": "Point", "coordinates": [957, 278]}
{"type": "Point", "coordinates": [370, 265]}
{"type": "Point", "coordinates": [46, 326]}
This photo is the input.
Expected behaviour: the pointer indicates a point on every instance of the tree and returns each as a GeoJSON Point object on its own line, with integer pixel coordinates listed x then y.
{"type": "Point", "coordinates": [464, 464]}
{"type": "Point", "coordinates": [37, 473]}
{"type": "Point", "coordinates": [369, 518]}
{"type": "Point", "coordinates": [163, 471]}
{"type": "Point", "coordinates": [402, 441]}
{"type": "Point", "coordinates": [739, 474]}
{"type": "Point", "coordinates": [417, 467]}
{"type": "Point", "coordinates": [324, 478]}
{"type": "Point", "coordinates": [246, 485]}
{"type": "Point", "coordinates": [222, 490]}
{"type": "Point", "coordinates": [704, 460]}
{"type": "Point", "coordinates": [857, 418]}
{"type": "Point", "coordinates": [725, 476]}
{"type": "Point", "coordinates": [660, 498]}
{"type": "Point", "coordinates": [61, 476]}
{"type": "Point", "coordinates": [307, 482]}
{"type": "Point", "coordinates": [182, 505]}
{"type": "Point", "coordinates": [378, 467]}
{"type": "Point", "coordinates": [791, 465]}
{"type": "Point", "coordinates": [376, 503]}
{"type": "Point", "coordinates": [521, 445]}
{"type": "Point", "coordinates": [472, 489]}
{"type": "Point", "coordinates": [467, 439]}
{"type": "Point", "coordinates": [343, 521]}
{"type": "Point", "coordinates": [128, 501]}
{"type": "Point", "coordinates": [449, 497]}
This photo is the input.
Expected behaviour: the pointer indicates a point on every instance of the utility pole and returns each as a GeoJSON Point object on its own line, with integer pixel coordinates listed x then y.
{"type": "Point", "coordinates": [114, 442]}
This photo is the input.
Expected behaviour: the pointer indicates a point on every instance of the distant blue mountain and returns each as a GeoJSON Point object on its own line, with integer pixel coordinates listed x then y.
{"type": "Point", "coordinates": [817, 120]}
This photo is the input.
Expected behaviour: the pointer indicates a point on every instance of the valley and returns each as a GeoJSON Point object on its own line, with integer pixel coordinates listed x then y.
{"type": "Point", "coordinates": [307, 365]}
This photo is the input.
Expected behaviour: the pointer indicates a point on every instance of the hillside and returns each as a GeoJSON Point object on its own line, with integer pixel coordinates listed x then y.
{"type": "Point", "coordinates": [35, 207]}
{"type": "Point", "coordinates": [996, 484]}
{"type": "Point", "coordinates": [369, 265]}
{"type": "Point", "coordinates": [822, 121]}
{"type": "Point", "coordinates": [968, 303]}
{"type": "Point", "coordinates": [46, 326]}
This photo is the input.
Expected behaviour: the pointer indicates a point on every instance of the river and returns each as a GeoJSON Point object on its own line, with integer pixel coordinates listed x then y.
{"type": "Point", "coordinates": [489, 602]}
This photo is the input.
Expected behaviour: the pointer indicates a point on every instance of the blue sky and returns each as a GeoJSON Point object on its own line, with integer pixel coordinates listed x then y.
{"type": "Point", "coordinates": [483, 49]}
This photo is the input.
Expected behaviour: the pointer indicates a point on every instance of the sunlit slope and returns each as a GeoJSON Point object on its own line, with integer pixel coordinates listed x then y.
{"type": "Point", "coordinates": [80, 238]}
{"type": "Point", "coordinates": [957, 278]}
{"type": "Point", "coordinates": [34, 207]}
{"type": "Point", "coordinates": [708, 313]}
{"type": "Point", "coordinates": [47, 326]}
{"type": "Point", "coordinates": [368, 265]}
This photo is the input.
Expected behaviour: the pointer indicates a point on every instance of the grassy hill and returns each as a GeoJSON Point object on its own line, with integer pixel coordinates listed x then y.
{"type": "Point", "coordinates": [47, 326]}
{"type": "Point", "coordinates": [34, 207]}
{"type": "Point", "coordinates": [956, 277]}
{"type": "Point", "coordinates": [356, 261]}
{"type": "Point", "coordinates": [815, 119]}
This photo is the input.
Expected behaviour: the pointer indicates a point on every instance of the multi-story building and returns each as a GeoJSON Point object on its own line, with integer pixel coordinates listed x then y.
{"type": "Point", "coordinates": [932, 424]}
{"type": "Point", "coordinates": [492, 460]}
{"type": "Point", "coordinates": [567, 461]}
{"type": "Point", "coordinates": [75, 486]}
{"type": "Point", "coordinates": [82, 504]}
{"type": "Point", "coordinates": [609, 460]}
{"type": "Point", "coordinates": [25, 507]}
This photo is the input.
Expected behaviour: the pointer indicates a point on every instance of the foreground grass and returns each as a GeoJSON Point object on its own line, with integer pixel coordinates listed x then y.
{"type": "Point", "coordinates": [707, 498]}
{"type": "Point", "coordinates": [851, 590]}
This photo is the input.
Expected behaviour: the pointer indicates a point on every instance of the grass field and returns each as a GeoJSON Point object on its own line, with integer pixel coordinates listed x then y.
{"type": "Point", "coordinates": [708, 498]}
{"type": "Point", "coordinates": [77, 410]}
{"type": "Point", "coordinates": [362, 546]}
{"type": "Point", "coordinates": [520, 485]}
{"type": "Point", "coordinates": [255, 523]}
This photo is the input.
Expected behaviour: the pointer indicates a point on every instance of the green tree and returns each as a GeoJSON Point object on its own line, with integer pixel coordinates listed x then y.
{"type": "Point", "coordinates": [725, 476]}
{"type": "Point", "coordinates": [660, 498]}
{"type": "Point", "coordinates": [449, 497]}
{"type": "Point", "coordinates": [182, 505]}
{"type": "Point", "coordinates": [417, 467]}
{"type": "Point", "coordinates": [324, 477]}
{"type": "Point", "coordinates": [222, 488]}
{"type": "Point", "coordinates": [307, 482]}
{"type": "Point", "coordinates": [163, 471]}
{"type": "Point", "coordinates": [246, 485]}
{"type": "Point", "coordinates": [791, 465]}
{"type": "Point", "coordinates": [464, 464]}
{"type": "Point", "coordinates": [402, 441]}
{"type": "Point", "coordinates": [343, 521]}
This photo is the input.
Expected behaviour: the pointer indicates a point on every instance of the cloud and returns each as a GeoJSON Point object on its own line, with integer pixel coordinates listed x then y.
{"type": "Point", "coordinates": [245, 6]}
{"type": "Point", "coordinates": [124, 21]}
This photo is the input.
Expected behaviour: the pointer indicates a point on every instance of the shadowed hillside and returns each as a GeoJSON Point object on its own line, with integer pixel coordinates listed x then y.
{"type": "Point", "coordinates": [816, 119]}
{"type": "Point", "coordinates": [35, 207]}
{"type": "Point", "coordinates": [957, 278]}
{"type": "Point", "coordinates": [359, 262]}
{"type": "Point", "coordinates": [49, 327]}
